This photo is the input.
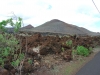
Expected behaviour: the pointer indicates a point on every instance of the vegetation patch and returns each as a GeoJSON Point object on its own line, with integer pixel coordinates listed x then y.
{"type": "Point", "coordinates": [81, 50]}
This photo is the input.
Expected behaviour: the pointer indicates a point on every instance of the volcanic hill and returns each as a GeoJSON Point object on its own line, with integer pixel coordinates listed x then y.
{"type": "Point", "coordinates": [57, 26]}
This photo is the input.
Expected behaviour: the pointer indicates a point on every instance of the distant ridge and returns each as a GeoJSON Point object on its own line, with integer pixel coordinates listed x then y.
{"type": "Point", "coordinates": [27, 27]}
{"type": "Point", "coordinates": [11, 30]}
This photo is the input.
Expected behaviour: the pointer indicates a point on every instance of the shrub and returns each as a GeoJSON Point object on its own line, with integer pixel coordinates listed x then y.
{"type": "Point", "coordinates": [69, 43]}
{"type": "Point", "coordinates": [9, 44]}
{"type": "Point", "coordinates": [9, 48]}
{"type": "Point", "coordinates": [63, 49]}
{"type": "Point", "coordinates": [74, 53]}
{"type": "Point", "coordinates": [16, 25]}
{"type": "Point", "coordinates": [81, 50]}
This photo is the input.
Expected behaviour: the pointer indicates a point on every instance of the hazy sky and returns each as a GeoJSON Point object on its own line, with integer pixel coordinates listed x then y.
{"type": "Point", "coordinates": [36, 12]}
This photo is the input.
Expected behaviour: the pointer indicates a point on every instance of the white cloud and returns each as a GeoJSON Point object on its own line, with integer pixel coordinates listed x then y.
{"type": "Point", "coordinates": [78, 12]}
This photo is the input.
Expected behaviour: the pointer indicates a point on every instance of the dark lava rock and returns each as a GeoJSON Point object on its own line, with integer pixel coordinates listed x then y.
{"type": "Point", "coordinates": [4, 71]}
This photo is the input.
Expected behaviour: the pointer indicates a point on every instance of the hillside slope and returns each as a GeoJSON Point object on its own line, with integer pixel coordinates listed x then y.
{"type": "Point", "coordinates": [57, 26]}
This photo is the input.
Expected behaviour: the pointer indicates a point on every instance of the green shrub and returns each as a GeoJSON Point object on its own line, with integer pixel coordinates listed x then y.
{"type": "Point", "coordinates": [16, 25]}
{"type": "Point", "coordinates": [81, 50]}
{"type": "Point", "coordinates": [74, 53]}
{"type": "Point", "coordinates": [9, 44]}
{"type": "Point", "coordinates": [69, 43]}
{"type": "Point", "coordinates": [10, 50]}
{"type": "Point", "coordinates": [63, 49]}
{"type": "Point", "coordinates": [8, 47]}
{"type": "Point", "coordinates": [30, 61]}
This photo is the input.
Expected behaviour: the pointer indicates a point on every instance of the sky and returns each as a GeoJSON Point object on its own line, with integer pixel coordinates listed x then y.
{"type": "Point", "coordinates": [81, 13]}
